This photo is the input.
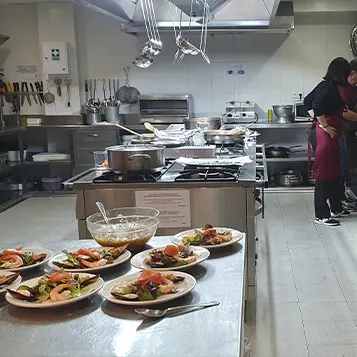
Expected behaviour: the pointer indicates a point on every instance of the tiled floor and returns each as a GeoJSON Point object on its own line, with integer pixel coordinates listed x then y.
{"type": "Point", "coordinates": [40, 219]}
{"type": "Point", "coordinates": [307, 275]}
{"type": "Point", "coordinates": [307, 283]}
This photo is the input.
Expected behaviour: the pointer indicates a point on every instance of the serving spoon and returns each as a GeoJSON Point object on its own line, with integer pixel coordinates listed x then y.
{"type": "Point", "coordinates": [172, 310]}
{"type": "Point", "coordinates": [102, 211]}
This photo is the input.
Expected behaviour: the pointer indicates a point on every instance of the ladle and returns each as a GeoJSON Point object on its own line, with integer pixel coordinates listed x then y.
{"type": "Point", "coordinates": [102, 211]}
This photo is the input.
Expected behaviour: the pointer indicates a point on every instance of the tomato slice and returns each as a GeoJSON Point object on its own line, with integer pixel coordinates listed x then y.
{"type": "Point", "coordinates": [148, 276]}
{"type": "Point", "coordinates": [171, 250]}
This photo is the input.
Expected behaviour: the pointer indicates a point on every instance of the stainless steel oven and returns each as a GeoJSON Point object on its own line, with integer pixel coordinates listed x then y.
{"type": "Point", "coordinates": [165, 109]}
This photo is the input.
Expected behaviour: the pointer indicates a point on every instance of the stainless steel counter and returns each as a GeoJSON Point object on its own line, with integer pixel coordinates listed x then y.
{"type": "Point", "coordinates": [93, 327]}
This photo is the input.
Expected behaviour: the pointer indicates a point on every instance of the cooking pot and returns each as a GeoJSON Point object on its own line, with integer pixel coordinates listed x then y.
{"type": "Point", "coordinates": [135, 158]}
{"type": "Point", "coordinates": [206, 123]}
{"type": "Point", "coordinates": [279, 151]}
{"type": "Point", "coordinates": [289, 178]}
{"type": "Point", "coordinates": [223, 137]}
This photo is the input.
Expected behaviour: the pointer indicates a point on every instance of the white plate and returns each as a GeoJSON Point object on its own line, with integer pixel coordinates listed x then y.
{"type": "Point", "coordinates": [236, 237]}
{"type": "Point", "coordinates": [125, 256]}
{"type": "Point", "coordinates": [14, 283]}
{"type": "Point", "coordinates": [95, 287]}
{"type": "Point", "coordinates": [138, 260]}
{"type": "Point", "coordinates": [183, 288]}
{"type": "Point", "coordinates": [49, 255]}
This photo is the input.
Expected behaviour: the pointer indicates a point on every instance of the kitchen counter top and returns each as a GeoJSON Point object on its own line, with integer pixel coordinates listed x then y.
{"type": "Point", "coordinates": [94, 327]}
{"type": "Point", "coordinates": [247, 177]}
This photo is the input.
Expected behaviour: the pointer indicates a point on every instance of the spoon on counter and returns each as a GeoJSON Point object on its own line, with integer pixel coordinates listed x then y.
{"type": "Point", "coordinates": [173, 310]}
{"type": "Point", "coordinates": [102, 211]}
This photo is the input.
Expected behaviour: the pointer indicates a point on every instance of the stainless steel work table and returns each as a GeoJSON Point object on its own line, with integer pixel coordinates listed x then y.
{"type": "Point", "coordinates": [96, 328]}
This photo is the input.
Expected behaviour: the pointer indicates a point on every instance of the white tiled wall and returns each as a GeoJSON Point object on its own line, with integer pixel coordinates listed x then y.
{"type": "Point", "coordinates": [277, 65]}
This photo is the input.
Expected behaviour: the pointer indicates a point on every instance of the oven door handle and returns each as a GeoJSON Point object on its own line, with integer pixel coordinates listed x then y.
{"type": "Point", "coordinates": [68, 185]}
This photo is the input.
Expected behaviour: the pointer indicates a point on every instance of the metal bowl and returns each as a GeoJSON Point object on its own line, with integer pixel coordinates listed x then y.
{"type": "Point", "coordinates": [284, 113]}
{"type": "Point", "coordinates": [134, 226]}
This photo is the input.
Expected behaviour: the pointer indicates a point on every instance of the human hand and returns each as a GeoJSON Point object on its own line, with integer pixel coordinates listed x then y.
{"type": "Point", "coordinates": [330, 130]}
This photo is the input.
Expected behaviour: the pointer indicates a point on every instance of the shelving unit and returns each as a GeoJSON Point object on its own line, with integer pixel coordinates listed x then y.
{"type": "Point", "coordinates": [9, 167]}
{"type": "Point", "coordinates": [286, 135]}
{"type": "Point", "coordinates": [10, 198]}
{"type": "Point", "coordinates": [51, 162]}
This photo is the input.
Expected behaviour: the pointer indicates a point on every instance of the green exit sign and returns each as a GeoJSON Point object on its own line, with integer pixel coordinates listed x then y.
{"type": "Point", "coordinates": [55, 54]}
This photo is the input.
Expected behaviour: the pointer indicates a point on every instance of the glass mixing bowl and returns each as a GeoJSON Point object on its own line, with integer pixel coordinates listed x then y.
{"type": "Point", "coordinates": [128, 225]}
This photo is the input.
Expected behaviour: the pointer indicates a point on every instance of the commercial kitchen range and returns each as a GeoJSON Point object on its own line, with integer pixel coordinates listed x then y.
{"type": "Point", "coordinates": [187, 197]}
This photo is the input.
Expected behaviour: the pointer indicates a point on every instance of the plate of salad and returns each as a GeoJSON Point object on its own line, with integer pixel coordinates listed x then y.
{"type": "Point", "coordinates": [208, 237]}
{"type": "Point", "coordinates": [148, 288]}
{"type": "Point", "coordinates": [171, 257]}
{"type": "Point", "coordinates": [90, 259]}
{"type": "Point", "coordinates": [21, 259]}
{"type": "Point", "coordinates": [57, 289]}
{"type": "Point", "coordinates": [8, 279]}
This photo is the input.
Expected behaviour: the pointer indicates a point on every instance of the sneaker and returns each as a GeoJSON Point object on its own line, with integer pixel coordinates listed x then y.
{"type": "Point", "coordinates": [344, 213]}
{"type": "Point", "coordinates": [327, 222]}
{"type": "Point", "coordinates": [349, 206]}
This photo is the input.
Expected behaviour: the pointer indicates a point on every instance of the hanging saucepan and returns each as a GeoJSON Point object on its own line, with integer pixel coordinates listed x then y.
{"type": "Point", "coordinates": [279, 151]}
{"type": "Point", "coordinates": [135, 158]}
{"type": "Point", "coordinates": [127, 94]}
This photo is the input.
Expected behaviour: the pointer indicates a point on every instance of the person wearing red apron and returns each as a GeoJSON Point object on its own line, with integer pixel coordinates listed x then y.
{"type": "Point", "coordinates": [326, 105]}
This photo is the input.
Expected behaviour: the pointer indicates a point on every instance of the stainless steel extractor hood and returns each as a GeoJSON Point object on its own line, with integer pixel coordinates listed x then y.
{"type": "Point", "coordinates": [3, 39]}
{"type": "Point", "coordinates": [228, 15]}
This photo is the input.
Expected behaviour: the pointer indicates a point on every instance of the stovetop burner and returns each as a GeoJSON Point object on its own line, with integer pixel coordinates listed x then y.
{"type": "Point", "coordinates": [112, 177]}
{"type": "Point", "coordinates": [192, 173]}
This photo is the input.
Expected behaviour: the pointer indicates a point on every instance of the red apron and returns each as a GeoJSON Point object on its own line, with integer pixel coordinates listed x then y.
{"type": "Point", "coordinates": [327, 156]}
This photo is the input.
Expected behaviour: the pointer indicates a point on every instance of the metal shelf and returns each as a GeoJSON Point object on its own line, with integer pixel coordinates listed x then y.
{"type": "Point", "coordinates": [11, 131]}
{"type": "Point", "coordinates": [50, 193]}
{"type": "Point", "coordinates": [299, 189]}
{"type": "Point", "coordinates": [10, 198]}
{"type": "Point", "coordinates": [9, 167]}
{"type": "Point", "coordinates": [50, 162]}
{"type": "Point", "coordinates": [298, 125]}
{"type": "Point", "coordinates": [289, 159]}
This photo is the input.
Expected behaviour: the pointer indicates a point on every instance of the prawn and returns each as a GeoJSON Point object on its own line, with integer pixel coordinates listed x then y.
{"type": "Point", "coordinates": [190, 259]}
{"type": "Point", "coordinates": [58, 276]}
{"type": "Point", "coordinates": [12, 261]}
{"type": "Point", "coordinates": [8, 252]}
{"type": "Point", "coordinates": [167, 286]}
{"type": "Point", "coordinates": [57, 294]}
{"type": "Point", "coordinates": [92, 253]}
{"type": "Point", "coordinates": [99, 263]}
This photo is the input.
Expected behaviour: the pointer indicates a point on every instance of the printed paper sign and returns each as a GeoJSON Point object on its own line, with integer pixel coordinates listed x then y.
{"type": "Point", "coordinates": [174, 206]}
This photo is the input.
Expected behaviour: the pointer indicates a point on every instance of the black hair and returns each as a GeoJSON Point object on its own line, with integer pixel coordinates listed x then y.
{"type": "Point", "coordinates": [353, 65]}
{"type": "Point", "coordinates": [338, 71]}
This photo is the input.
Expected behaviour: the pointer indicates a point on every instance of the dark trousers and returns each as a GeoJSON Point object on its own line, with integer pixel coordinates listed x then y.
{"type": "Point", "coordinates": [349, 131]}
{"type": "Point", "coordinates": [327, 191]}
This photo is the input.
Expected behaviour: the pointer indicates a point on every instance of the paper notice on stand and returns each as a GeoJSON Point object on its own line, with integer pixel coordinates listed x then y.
{"type": "Point", "coordinates": [174, 206]}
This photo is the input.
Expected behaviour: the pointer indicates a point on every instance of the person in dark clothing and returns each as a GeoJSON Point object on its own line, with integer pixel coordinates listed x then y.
{"type": "Point", "coordinates": [349, 127]}
{"type": "Point", "coordinates": [326, 105]}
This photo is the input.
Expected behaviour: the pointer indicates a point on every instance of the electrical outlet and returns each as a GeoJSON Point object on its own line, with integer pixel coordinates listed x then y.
{"type": "Point", "coordinates": [295, 95]}
{"type": "Point", "coordinates": [229, 72]}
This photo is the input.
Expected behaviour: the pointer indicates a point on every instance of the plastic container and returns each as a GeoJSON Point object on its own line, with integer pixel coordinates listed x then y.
{"type": "Point", "coordinates": [51, 183]}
